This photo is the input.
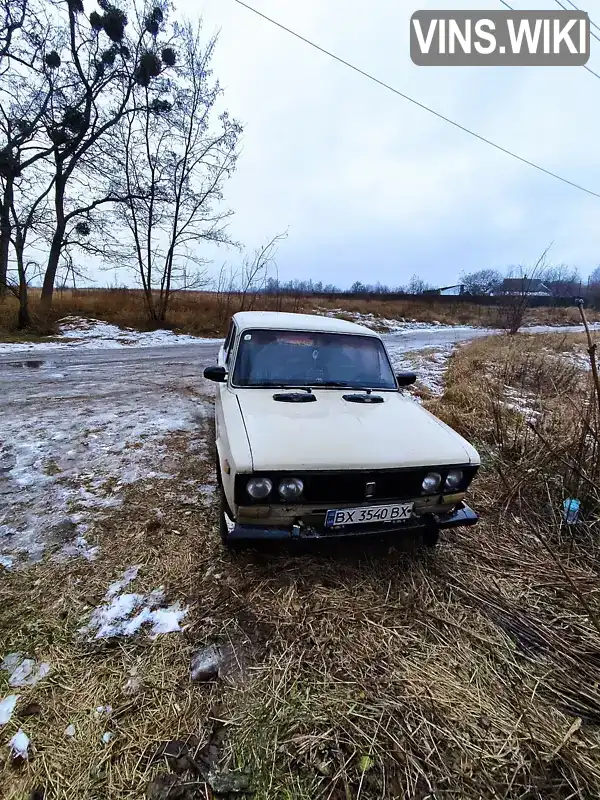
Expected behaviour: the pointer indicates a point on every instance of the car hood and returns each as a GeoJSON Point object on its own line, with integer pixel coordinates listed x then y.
{"type": "Point", "coordinates": [333, 433]}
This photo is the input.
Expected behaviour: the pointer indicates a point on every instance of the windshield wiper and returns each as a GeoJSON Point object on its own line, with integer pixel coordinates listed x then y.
{"type": "Point", "coordinates": [335, 384]}
{"type": "Point", "coordinates": [268, 385]}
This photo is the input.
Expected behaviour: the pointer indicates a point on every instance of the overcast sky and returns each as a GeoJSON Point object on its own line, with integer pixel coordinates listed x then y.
{"type": "Point", "coordinates": [369, 186]}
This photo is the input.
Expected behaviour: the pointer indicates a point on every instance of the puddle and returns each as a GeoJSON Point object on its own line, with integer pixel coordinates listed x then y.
{"type": "Point", "coordinates": [30, 364]}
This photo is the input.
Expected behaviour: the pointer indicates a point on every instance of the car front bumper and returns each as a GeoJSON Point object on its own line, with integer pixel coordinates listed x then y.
{"type": "Point", "coordinates": [461, 516]}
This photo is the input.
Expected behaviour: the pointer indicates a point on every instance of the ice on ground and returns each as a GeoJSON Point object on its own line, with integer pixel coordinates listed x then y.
{"type": "Point", "coordinates": [19, 745]}
{"type": "Point", "coordinates": [79, 548]}
{"type": "Point", "coordinates": [24, 672]}
{"type": "Point", "coordinates": [93, 334]}
{"type": "Point", "coordinates": [7, 706]}
{"type": "Point", "coordinates": [106, 737]}
{"type": "Point", "coordinates": [65, 461]}
{"type": "Point", "coordinates": [430, 365]}
{"type": "Point", "coordinates": [70, 731]}
{"type": "Point", "coordinates": [126, 614]}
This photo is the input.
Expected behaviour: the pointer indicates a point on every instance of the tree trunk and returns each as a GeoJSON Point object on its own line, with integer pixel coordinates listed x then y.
{"type": "Point", "coordinates": [52, 267]}
{"type": "Point", "coordinates": [5, 231]}
{"type": "Point", "coordinates": [24, 317]}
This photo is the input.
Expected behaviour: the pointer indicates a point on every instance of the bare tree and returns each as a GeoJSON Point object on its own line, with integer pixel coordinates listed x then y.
{"type": "Point", "coordinates": [106, 65]}
{"type": "Point", "coordinates": [562, 280]}
{"type": "Point", "coordinates": [481, 282]}
{"type": "Point", "coordinates": [255, 271]}
{"type": "Point", "coordinates": [66, 81]}
{"type": "Point", "coordinates": [174, 161]}
{"type": "Point", "coordinates": [28, 238]}
{"type": "Point", "coordinates": [514, 303]}
{"type": "Point", "coordinates": [26, 87]}
{"type": "Point", "coordinates": [417, 285]}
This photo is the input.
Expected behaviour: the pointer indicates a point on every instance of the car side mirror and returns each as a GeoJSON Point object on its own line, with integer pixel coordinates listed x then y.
{"type": "Point", "coordinates": [218, 374]}
{"type": "Point", "coordinates": [405, 378]}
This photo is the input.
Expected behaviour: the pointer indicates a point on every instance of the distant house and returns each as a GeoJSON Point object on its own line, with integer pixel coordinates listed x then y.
{"type": "Point", "coordinates": [534, 287]}
{"type": "Point", "coordinates": [458, 288]}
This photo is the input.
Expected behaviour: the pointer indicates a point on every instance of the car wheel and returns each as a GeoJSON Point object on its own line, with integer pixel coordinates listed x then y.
{"type": "Point", "coordinates": [223, 513]}
{"type": "Point", "coordinates": [431, 536]}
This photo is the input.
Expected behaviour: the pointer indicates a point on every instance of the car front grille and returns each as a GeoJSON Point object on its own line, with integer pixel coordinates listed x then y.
{"type": "Point", "coordinates": [351, 486]}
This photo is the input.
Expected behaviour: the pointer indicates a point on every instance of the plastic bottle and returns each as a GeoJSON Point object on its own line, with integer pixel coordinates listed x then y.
{"type": "Point", "coordinates": [571, 510]}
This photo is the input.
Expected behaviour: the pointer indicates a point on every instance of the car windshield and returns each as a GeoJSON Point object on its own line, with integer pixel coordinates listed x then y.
{"type": "Point", "coordinates": [303, 359]}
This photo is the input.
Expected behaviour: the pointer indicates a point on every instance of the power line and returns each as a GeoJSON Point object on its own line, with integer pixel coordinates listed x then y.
{"type": "Point", "coordinates": [416, 102]}
{"type": "Point", "coordinates": [585, 66]}
{"type": "Point", "coordinates": [595, 35]}
{"type": "Point", "coordinates": [577, 9]}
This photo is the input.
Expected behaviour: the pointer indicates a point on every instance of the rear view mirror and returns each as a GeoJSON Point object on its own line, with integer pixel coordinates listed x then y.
{"type": "Point", "coordinates": [218, 374]}
{"type": "Point", "coordinates": [405, 378]}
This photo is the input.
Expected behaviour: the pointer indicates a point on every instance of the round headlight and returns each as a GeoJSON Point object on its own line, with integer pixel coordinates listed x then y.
{"type": "Point", "coordinates": [290, 488]}
{"type": "Point", "coordinates": [431, 482]}
{"type": "Point", "coordinates": [259, 488]}
{"type": "Point", "coordinates": [454, 479]}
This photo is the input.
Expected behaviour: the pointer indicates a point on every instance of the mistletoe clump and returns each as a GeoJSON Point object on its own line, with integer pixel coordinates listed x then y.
{"type": "Point", "coordinates": [148, 68]}
{"type": "Point", "coordinates": [83, 228]}
{"type": "Point", "coordinates": [153, 21]}
{"type": "Point", "coordinates": [108, 56]}
{"type": "Point", "coordinates": [96, 21]}
{"type": "Point", "coordinates": [160, 106]}
{"type": "Point", "coordinates": [168, 56]}
{"type": "Point", "coordinates": [52, 60]}
{"type": "Point", "coordinates": [74, 120]}
{"type": "Point", "coordinates": [24, 127]}
{"type": "Point", "coordinates": [125, 52]}
{"type": "Point", "coordinates": [115, 21]}
{"type": "Point", "coordinates": [58, 136]}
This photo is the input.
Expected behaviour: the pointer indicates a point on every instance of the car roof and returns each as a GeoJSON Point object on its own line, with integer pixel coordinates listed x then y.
{"type": "Point", "coordinates": [283, 320]}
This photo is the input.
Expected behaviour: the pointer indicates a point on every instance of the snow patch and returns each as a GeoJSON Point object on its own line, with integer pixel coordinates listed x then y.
{"type": "Point", "coordinates": [70, 731]}
{"type": "Point", "coordinates": [129, 575]}
{"type": "Point", "coordinates": [126, 614]}
{"type": "Point", "coordinates": [19, 745]}
{"type": "Point", "coordinates": [7, 706]}
{"type": "Point", "coordinates": [6, 562]}
{"type": "Point", "coordinates": [93, 334]}
{"type": "Point", "coordinates": [26, 672]}
{"type": "Point", "coordinates": [522, 403]}
{"type": "Point", "coordinates": [430, 366]}
{"type": "Point", "coordinates": [384, 324]}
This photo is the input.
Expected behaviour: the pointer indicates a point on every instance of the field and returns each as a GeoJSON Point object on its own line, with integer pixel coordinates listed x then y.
{"type": "Point", "coordinates": [380, 671]}
{"type": "Point", "coordinates": [207, 314]}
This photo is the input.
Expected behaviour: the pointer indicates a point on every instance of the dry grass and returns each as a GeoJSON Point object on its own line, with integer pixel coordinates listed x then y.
{"type": "Point", "coordinates": [373, 672]}
{"type": "Point", "coordinates": [206, 314]}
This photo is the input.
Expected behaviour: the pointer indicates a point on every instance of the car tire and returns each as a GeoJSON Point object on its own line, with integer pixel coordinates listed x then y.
{"type": "Point", "coordinates": [223, 530]}
{"type": "Point", "coordinates": [431, 536]}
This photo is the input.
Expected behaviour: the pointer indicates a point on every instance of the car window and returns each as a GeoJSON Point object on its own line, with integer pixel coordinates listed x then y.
{"type": "Point", "coordinates": [300, 358]}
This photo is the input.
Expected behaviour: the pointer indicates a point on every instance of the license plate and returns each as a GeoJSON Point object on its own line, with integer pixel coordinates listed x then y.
{"type": "Point", "coordinates": [398, 512]}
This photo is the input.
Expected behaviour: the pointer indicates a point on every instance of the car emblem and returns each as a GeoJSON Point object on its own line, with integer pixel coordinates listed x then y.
{"type": "Point", "coordinates": [370, 489]}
